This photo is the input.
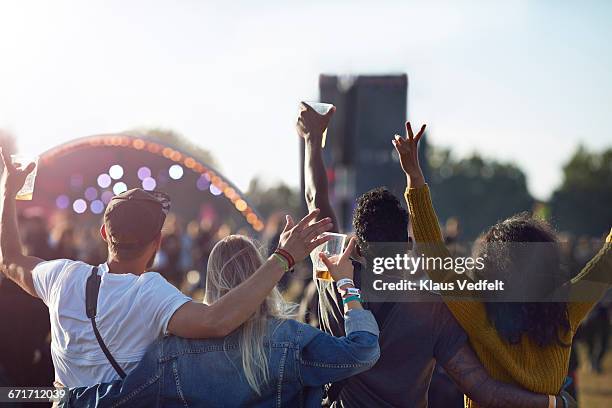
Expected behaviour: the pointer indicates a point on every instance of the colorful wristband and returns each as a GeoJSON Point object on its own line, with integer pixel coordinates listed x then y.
{"type": "Point", "coordinates": [287, 256]}
{"type": "Point", "coordinates": [352, 291]}
{"type": "Point", "coordinates": [350, 299]}
{"type": "Point", "coordinates": [282, 261]}
{"type": "Point", "coordinates": [343, 282]}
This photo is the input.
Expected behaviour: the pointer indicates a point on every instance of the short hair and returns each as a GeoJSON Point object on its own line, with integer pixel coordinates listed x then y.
{"type": "Point", "coordinates": [379, 217]}
{"type": "Point", "coordinates": [127, 254]}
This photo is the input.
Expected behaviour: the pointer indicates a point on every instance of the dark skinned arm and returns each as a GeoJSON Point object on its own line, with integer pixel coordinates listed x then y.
{"type": "Point", "coordinates": [310, 126]}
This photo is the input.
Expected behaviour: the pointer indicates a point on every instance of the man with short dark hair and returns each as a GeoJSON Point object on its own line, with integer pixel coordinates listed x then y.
{"type": "Point", "coordinates": [103, 340]}
{"type": "Point", "coordinates": [414, 335]}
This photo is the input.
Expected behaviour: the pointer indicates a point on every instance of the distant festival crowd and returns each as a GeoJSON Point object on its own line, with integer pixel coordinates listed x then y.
{"type": "Point", "coordinates": [222, 322]}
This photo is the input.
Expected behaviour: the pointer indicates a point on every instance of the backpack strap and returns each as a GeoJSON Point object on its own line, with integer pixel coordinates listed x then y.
{"type": "Point", "coordinates": [92, 289]}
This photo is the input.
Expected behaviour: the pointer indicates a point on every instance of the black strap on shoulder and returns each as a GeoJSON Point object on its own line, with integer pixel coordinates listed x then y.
{"type": "Point", "coordinates": [92, 289]}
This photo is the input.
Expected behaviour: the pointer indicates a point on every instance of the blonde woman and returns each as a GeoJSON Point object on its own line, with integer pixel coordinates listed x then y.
{"type": "Point", "coordinates": [270, 361]}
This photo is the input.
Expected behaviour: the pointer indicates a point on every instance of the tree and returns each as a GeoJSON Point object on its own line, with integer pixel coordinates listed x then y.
{"type": "Point", "coordinates": [478, 191]}
{"type": "Point", "coordinates": [269, 200]}
{"type": "Point", "coordinates": [583, 202]}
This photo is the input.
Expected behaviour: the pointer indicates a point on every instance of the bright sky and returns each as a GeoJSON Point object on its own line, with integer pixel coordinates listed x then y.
{"type": "Point", "coordinates": [519, 81]}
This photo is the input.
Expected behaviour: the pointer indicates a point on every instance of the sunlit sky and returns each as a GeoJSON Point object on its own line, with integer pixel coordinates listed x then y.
{"type": "Point", "coordinates": [518, 81]}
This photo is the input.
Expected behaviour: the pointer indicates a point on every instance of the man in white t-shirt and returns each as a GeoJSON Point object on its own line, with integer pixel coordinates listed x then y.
{"type": "Point", "coordinates": [134, 307]}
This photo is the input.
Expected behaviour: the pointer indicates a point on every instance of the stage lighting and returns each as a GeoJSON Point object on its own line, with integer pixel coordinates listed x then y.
{"type": "Point", "coordinates": [79, 206]}
{"type": "Point", "coordinates": [116, 171]}
{"type": "Point", "coordinates": [202, 183]}
{"type": "Point", "coordinates": [62, 202]}
{"type": "Point", "coordinates": [106, 196]}
{"type": "Point", "coordinates": [143, 173]}
{"type": "Point", "coordinates": [119, 188]}
{"type": "Point", "coordinates": [149, 183]}
{"type": "Point", "coordinates": [91, 193]}
{"type": "Point", "coordinates": [241, 205]}
{"type": "Point", "coordinates": [214, 190]}
{"type": "Point", "coordinates": [96, 207]}
{"type": "Point", "coordinates": [193, 277]}
{"type": "Point", "coordinates": [175, 171]}
{"type": "Point", "coordinates": [104, 180]}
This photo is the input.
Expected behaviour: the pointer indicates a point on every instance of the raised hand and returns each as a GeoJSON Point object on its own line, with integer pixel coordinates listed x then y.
{"type": "Point", "coordinates": [301, 238]}
{"type": "Point", "coordinates": [13, 178]}
{"type": "Point", "coordinates": [408, 151]}
{"type": "Point", "coordinates": [342, 267]}
{"type": "Point", "coordinates": [311, 124]}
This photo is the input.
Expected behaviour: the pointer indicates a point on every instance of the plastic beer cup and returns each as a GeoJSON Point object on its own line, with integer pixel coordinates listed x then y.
{"type": "Point", "coordinates": [21, 162]}
{"type": "Point", "coordinates": [333, 249]}
{"type": "Point", "coordinates": [322, 109]}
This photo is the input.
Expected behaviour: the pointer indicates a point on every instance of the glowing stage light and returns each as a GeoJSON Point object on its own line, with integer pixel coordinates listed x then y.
{"type": "Point", "coordinates": [104, 180]}
{"type": "Point", "coordinates": [241, 205]}
{"type": "Point", "coordinates": [62, 202]}
{"type": "Point", "coordinates": [79, 206]}
{"type": "Point", "coordinates": [119, 188]}
{"type": "Point", "coordinates": [175, 171]}
{"type": "Point", "coordinates": [106, 196]}
{"type": "Point", "coordinates": [91, 193]}
{"type": "Point", "coordinates": [144, 172]}
{"type": "Point", "coordinates": [202, 183]}
{"type": "Point", "coordinates": [149, 184]}
{"type": "Point", "coordinates": [193, 277]}
{"type": "Point", "coordinates": [96, 207]}
{"type": "Point", "coordinates": [116, 171]}
{"type": "Point", "coordinates": [214, 190]}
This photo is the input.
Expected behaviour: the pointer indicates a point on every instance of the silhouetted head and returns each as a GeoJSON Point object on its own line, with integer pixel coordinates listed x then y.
{"type": "Point", "coordinates": [379, 217]}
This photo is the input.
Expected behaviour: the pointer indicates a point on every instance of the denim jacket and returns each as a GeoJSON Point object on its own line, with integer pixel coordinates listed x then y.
{"type": "Point", "coordinates": [178, 372]}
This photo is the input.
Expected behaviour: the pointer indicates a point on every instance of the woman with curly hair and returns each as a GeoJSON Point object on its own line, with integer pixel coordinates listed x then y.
{"type": "Point", "coordinates": [520, 342]}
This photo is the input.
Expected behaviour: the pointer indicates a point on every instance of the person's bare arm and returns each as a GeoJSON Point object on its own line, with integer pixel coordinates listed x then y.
{"type": "Point", "coordinates": [474, 381]}
{"type": "Point", "coordinates": [14, 264]}
{"type": "Point", "coordinates": [310, 126]}
{"type": "Point", "coordinates": [197, 320]}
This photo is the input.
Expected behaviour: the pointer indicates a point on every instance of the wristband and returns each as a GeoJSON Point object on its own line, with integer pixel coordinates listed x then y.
{"type": "Point", "coordinates": [552, 401]}
{"type": "Point", "coordinates": [350, 299]}
{"type": "Point", "coordinates": [352, 291]}
{"type": "Point", "coordinates": [344, 281]}
{"type": "Point", "coordinates": [565, 401]}
{"type": "Point", "coordinates": [287, 256]}
{"type": "Point", "coordinates": [282, 261]}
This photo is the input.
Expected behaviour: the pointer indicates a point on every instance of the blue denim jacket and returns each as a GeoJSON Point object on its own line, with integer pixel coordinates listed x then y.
{"type": "Point", "coordinates": [177, 372]}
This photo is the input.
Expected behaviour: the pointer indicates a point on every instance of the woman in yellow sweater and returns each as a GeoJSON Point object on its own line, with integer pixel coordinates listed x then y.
{"type": "Point", "coordinates": [535, 356]}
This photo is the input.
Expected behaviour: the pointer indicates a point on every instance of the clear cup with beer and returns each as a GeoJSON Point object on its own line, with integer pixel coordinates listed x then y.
{"type": "Point", "coordinates": [333, 249]}
{"type": "Point", "coordinates": [21, 161]}
{"type": "Point", "coordinates": [322, 109]}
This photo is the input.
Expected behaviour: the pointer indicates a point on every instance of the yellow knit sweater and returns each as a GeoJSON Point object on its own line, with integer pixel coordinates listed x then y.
{"type": "Point", "coordinates": [541, 370]}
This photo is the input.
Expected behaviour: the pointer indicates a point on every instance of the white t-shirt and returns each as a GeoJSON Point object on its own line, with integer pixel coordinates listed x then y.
{"type": "Point", "coordinates": [133, 311]}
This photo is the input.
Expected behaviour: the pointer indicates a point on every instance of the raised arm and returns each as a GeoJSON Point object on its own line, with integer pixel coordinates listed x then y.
{"type": "Point", "coordinates": [14, 264]}
{"type": "Point", "coordinates": [197, 320]}
{"type": "Point", "coordinates": [473, 380]}
{"type": "Point", "coordinates": [423, 218]}
{"type": "Point", "coordinates": [310, 126]}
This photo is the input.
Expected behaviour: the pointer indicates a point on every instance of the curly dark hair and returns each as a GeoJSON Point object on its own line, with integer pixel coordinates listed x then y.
{"type": "Point", "coordinates": [542, 322]}
{"type": "Point", "coordinates": [379, 217]}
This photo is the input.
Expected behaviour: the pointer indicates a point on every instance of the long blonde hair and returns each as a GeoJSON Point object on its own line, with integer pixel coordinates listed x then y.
{"type": "Point", "coordinates": [232, 261]}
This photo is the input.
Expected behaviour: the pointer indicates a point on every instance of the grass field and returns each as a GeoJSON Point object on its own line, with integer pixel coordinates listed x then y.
{"type": "Point", "coordinates": [594, 390]}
